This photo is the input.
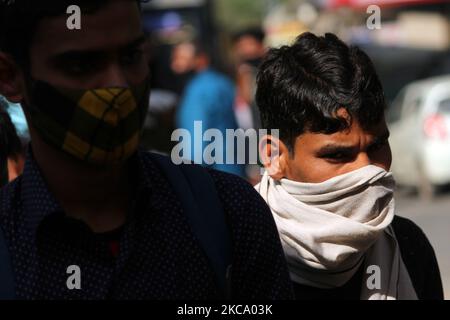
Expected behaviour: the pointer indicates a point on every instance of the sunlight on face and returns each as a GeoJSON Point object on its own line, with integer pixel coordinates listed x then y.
{"type": "Point", "coordinates": [319, 157]}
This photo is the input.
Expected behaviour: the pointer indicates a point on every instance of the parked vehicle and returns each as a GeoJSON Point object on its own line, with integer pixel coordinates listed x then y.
{"type": "Point", "coordinates": [419, 121]}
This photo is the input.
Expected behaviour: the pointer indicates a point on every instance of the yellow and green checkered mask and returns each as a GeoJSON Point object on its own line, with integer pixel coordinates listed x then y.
{"type": "Point", "coordinates": [99, 126]}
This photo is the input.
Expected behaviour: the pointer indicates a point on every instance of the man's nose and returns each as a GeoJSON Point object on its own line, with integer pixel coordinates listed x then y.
{"type": "Point", "coordinates": [114, 77]}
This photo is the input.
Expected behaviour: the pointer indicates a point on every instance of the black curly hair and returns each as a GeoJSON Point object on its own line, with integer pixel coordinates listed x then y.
{"type": "Point", "coordinates": [301, 87]}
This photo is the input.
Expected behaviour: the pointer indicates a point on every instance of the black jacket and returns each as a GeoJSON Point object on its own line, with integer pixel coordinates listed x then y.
{"type": "Point", "coordinates": [418, 256]}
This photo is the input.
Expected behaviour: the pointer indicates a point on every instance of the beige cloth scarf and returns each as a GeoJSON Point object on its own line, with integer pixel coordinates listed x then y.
{"type": "Point", "coordinates": [329, 229]}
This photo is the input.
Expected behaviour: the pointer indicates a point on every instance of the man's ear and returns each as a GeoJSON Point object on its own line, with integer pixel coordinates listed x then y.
{"type": "Point", "coordinates": [11, 80]}
{"type": "Point", "coordinates": [273, 153]}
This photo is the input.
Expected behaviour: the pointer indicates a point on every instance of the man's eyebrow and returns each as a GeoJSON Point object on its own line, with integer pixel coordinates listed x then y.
{"type": "Point", "coordinates": [92, 53]}
{"type": "Point", "coordinates": [76, 54]}
{"type": "Point", "coordinates": [332, 148]}
{"type": "Point", "coordinates": [336, 148]}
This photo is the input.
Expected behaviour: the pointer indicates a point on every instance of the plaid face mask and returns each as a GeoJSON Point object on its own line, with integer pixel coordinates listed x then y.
{"type": "Point", "coordinates": [98, 126]}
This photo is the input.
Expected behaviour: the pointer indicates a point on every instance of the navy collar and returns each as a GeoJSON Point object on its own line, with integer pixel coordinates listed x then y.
{"type": "Point", "coordinates": [39, 202]}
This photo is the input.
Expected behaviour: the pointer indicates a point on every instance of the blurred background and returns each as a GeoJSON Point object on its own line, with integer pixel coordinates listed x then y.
{"type": "Point", "coordinates": [411, 52]}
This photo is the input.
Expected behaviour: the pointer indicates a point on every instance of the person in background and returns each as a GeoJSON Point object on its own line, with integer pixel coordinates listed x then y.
{"type": "Point", "coordinates": [327, 177]}
{"type": "Point", "coordinates": [208, 97]}
{"type": "Point", "coordinates": [18, 119]}
{"type": "Point", "coordinates": [249, 50]}
{"type": "Point", "coordinates": [11, 151]}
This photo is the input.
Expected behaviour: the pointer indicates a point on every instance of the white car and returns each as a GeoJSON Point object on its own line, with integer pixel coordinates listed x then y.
{"type": "Point", "coordinates": [419, 121]}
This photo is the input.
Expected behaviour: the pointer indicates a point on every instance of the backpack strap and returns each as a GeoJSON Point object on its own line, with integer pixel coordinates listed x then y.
{"type": "Point", "coordinates": [198, 195]}
{"type": "Point", "coordinates": [7, 288]}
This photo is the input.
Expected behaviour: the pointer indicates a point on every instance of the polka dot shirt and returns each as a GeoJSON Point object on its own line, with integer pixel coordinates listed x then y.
{"type": "Point", "coordinates": [159, 257]}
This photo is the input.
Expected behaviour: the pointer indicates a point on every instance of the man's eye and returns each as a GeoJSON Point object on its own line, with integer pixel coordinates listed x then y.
{"type": "Point", "coordinates": [336, 155]}
{"type": "Point", "coordinates": [132, 57]}
{"type": "Point", "coordinates": [78, 68]}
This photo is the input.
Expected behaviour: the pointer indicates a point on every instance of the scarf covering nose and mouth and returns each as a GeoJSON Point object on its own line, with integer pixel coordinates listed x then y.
{"type": "Point", "coordinates": [328, 230]}
{"type": "Point", "coordinates": [99, 126]}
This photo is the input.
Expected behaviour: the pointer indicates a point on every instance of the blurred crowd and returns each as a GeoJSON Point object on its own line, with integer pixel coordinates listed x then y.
{"type": "Point", "coordinates": [203, 73]}
{"type": "Point", "coordinates": [203, 90]}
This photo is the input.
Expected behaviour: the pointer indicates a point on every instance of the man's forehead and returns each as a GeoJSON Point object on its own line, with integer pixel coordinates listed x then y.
{"type": "Point", "coordinates": [114, 25]}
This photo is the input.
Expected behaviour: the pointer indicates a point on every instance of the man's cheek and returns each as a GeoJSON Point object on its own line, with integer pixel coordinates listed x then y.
{"type": "Point", "coordinates": [320, 170]}
{"type": "Point", "coordinates": [311, 170]}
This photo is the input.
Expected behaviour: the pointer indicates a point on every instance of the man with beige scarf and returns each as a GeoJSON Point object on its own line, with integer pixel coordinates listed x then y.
{"type": "Point", "coordinates": [327, 178]}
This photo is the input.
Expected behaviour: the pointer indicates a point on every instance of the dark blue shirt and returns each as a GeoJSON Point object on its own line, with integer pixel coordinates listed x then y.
{"type": "Point", "coordinates": [158, 256]}
{"type": "Point", "coordinates": [209, 98]}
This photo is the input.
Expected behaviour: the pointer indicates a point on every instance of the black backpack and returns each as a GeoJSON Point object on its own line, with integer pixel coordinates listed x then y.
{"type": "Point", "coordinates": [196, 190]}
